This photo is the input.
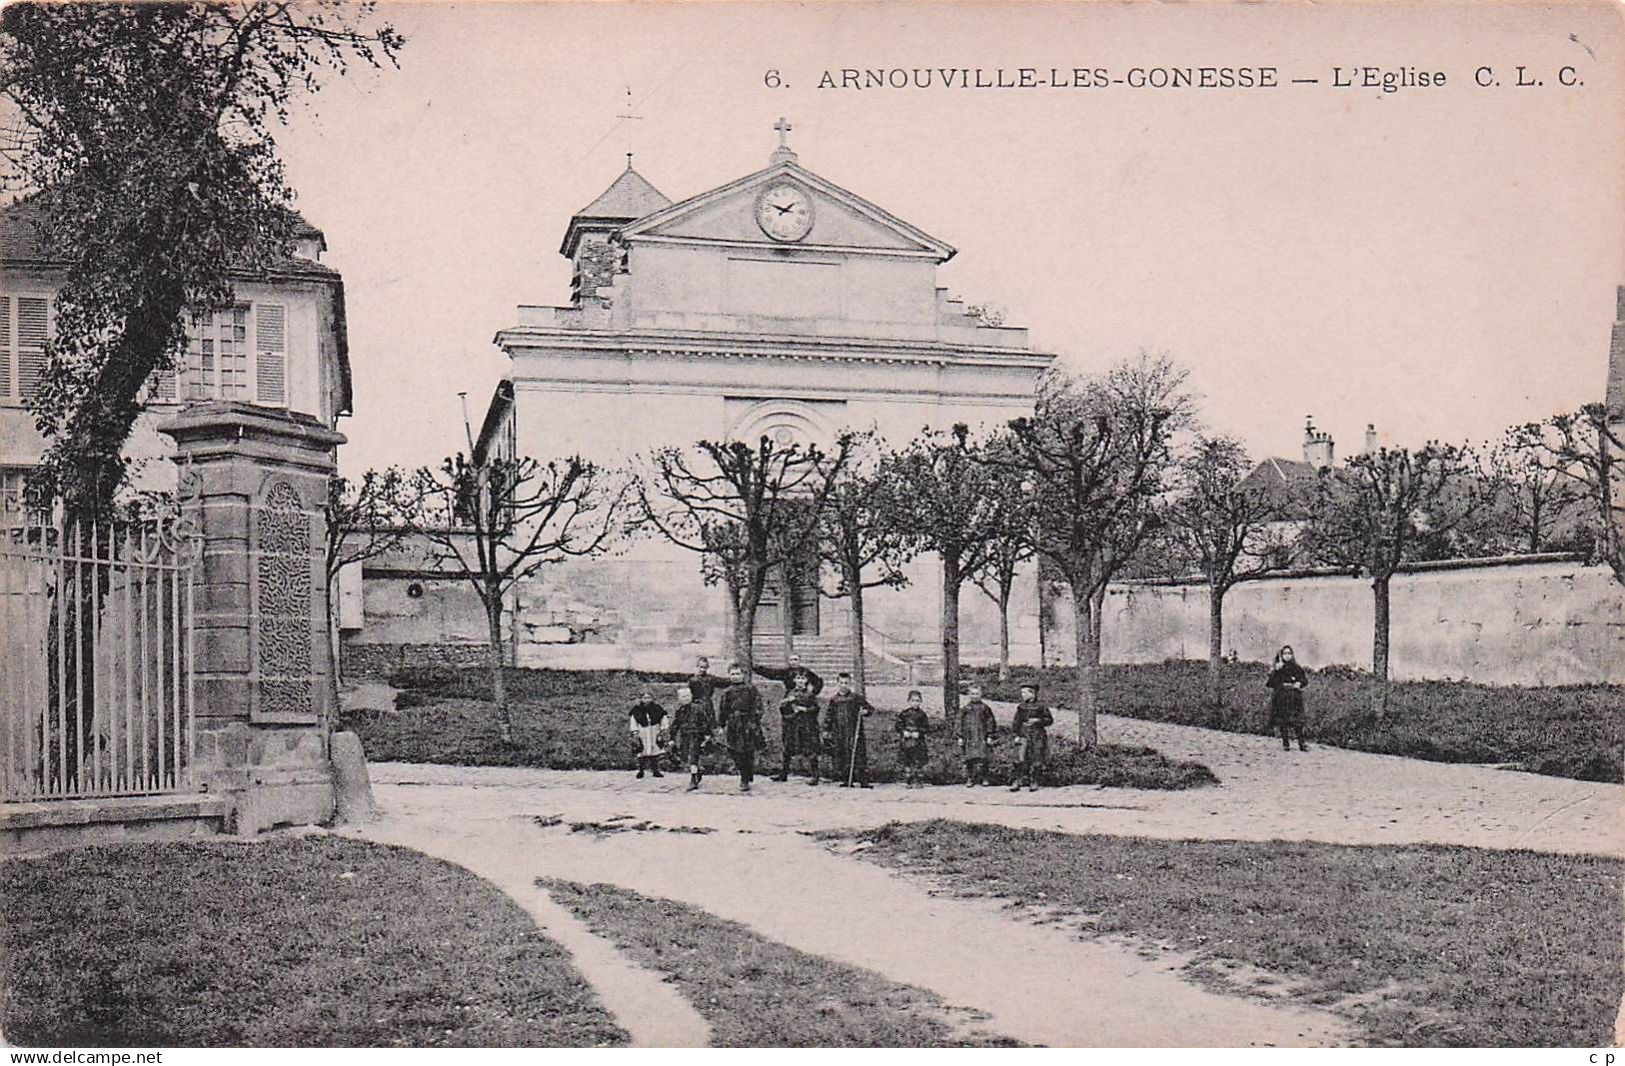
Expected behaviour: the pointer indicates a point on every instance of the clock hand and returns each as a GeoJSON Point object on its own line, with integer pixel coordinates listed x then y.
{"type": "Point", "coordinates": [781, 210]}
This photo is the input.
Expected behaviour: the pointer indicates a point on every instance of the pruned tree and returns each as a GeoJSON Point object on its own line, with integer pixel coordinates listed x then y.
{"type": "Point", "coordinates": [865, 535]}
{"type": "Point", "coordinates": [1223, 530]}
{"type": "Point", "coordinates": [747, 509]}
{"type": "Point", "coordinates": [951, 510]}
{"type": "Point", "coordinates": [1587, 449]}
{"type": "Point", "coordinates": [1013, 545]}
{"type": "Point", "coordinates": [1382, 509]}
{"type": "Point", "coordinates": [366, 519]}
{"type": "Point", "coordinates": [500, 520]}
{"type": "Point", "coordinates": [145, 136]}
{"type": "Point", "coordinates": [1098, 452]}
{"type": "Point", "coordinates": [1535, 494]}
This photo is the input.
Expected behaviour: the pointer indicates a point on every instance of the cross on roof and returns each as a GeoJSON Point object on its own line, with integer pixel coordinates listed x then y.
{"type": "Point", "coordinates": [630, 116]}
{"type": "Point", "coordinates": [783, 126]}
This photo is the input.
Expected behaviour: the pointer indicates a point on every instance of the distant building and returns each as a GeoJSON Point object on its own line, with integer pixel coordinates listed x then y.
{"type": "Point", "coordinates": [283, 345]}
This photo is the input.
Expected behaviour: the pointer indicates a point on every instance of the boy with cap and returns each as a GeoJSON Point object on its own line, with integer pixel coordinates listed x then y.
{"type": "Point", "coordinates": [1031, 726]}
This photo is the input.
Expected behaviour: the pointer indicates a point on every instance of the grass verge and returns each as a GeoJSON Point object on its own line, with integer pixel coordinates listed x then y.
{"type": "Point", "coordinates": [310, 942]}
{"type": "Point", "coordinates": [1420, 946]}
{"type": "Point", "coordinates": [576, 720]}
{"type": "Point", "coordinates": [757, 992]}
{"type": "Point", "coordinates": [1564, 731]}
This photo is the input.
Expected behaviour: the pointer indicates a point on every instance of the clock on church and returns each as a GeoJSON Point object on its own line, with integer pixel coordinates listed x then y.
{"type": "Point", "coordinates": [784, 211]}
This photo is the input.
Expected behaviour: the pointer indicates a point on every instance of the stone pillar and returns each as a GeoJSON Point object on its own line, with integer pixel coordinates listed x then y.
{"type": "Point", "coordinates": [257, 481]}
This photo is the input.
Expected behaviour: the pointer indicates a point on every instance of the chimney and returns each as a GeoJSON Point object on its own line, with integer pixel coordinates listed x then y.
{"type": "Point", "coordinates": [1370, 437]}
{"type": "Point", "coordinates": [1318, 450]}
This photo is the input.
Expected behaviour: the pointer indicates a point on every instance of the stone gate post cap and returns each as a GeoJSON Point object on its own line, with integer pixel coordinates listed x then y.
{"type": "Point", "coordinates": [236, 420]}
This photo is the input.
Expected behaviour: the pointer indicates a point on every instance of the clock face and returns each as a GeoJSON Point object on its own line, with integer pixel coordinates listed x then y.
{"type": "Point", "coordinates": [784, 211]}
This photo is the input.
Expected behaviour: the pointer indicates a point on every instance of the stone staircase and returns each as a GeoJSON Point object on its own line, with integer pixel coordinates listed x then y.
{"type": "Point", "coordinates": [828, 656]}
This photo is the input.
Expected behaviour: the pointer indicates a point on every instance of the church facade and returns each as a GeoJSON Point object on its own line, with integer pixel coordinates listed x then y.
{"type": "Point", "coordinates": [778, 304]}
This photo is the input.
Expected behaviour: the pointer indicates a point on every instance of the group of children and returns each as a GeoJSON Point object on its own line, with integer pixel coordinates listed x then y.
{"type": "Point", "coordinates": [729, 712]}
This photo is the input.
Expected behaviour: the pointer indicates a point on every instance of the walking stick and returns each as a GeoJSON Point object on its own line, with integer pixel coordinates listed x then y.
{"type": "Point", "coordinates": [852, 756]}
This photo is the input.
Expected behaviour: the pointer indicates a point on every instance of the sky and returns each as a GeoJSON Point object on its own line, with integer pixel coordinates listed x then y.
{"type": "Point", "coordinates": [1438, 261]}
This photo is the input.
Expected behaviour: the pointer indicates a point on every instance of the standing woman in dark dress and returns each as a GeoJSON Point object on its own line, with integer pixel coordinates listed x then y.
{"type": "Point", "coordinates": [1286, 684]}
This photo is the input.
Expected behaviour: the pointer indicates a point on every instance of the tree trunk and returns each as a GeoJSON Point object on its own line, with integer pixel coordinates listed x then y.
{"type": "Point", "coordinates": [858, 673]}
{"type": "Point", "coordinates": [787, 609]}
{"type": "Point", "coordinates": [1004, 633]}
{"type": "Point", "coordinates": [333, 642]}
{"type": "Point", "coordinates": [744, 638]}
{"type": "Point", "coordinates": [1215, 645]}
{"type": "Point", "coordinates": [1088, 678]}
{"type": "Point", "coordinates": [1379, 648]}
{"type": "Point", "coordinates": [499, 679]}
{"type": "Point", "coordinates": [1045, 606]}
{"type": "Point", "coordinates": [950, 640]}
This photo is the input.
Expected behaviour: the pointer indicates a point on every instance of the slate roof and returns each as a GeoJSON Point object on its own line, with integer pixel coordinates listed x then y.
{"type": "Point", "coordinates": [628, 197]}
{"type": "Point", "coordinates": [1289, 484]}
{"type": "Point", "coordinates": [20, 240]}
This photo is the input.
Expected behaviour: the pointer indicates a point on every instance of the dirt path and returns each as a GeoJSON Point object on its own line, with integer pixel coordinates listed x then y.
{"type": "Point", "coordinates": [653, 1012]}
{"type": "Point", "coordinates": [1038, 984]}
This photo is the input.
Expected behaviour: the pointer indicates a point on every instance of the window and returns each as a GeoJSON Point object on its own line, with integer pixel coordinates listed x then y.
{"type": "Point", "coordinates": [24, 327]}
{"type": "Point", "coordinates": [13, 493]}
{"type": "Point", "coordinates": [218, 363]}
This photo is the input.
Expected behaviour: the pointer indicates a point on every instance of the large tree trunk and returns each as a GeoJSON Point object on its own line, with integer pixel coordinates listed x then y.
{"type": "Point", "coordinates": [1379, 648]}
{"type": "Point", "coordinates": [1215, 645]}
{"type": "Point", "coordinates": [1088, 676]}
{"type": "Point", "coordinates": [499, 679]}
{"type": "Point", "coordinates": [951, 579]}
{"type": "Point", "coordinates": [1046, 604]}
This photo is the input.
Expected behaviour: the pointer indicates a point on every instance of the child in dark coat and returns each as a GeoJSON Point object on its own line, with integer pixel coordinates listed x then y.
{"type": "Point", "coordinates": [739, 712]}
{"type": "Point", "coordinates": [646, 721]}
{"type": "Point", "coordinates": [692, 726]}
{"type": "Point", "coordinates": [977, 732]}
{"type": "Point", "coordinates": [912, 727]}
{"type": "Point", "coordinates": [1031, 728]}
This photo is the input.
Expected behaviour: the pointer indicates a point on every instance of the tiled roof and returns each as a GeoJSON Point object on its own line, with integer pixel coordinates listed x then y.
{"type": "Point", "coordinates": [20, 240]}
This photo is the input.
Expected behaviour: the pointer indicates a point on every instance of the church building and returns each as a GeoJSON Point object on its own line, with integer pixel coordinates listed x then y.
{"type": "Point", "coordinates": [778, 303]}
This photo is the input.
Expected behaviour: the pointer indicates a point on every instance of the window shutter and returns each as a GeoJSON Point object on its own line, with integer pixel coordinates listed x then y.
{"type": "Point", "coordinates": [7, 390]}
{"type": "Point", "coordinates": [271, 358]}
{"type": "Point", "coordinates": [32, 314]}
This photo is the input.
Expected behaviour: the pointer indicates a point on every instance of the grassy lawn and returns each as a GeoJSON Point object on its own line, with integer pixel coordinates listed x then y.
{"type": "Point", "coordinates": [576, 720]}
{"type": "Point", "coordinates": [1566, 731]}
{"type": "Point", "coordinates": [1418, 945]}
{"type": "Point", "coordinates": [286, 943]}
{"type": "Point", "coordinates": [757, 992]}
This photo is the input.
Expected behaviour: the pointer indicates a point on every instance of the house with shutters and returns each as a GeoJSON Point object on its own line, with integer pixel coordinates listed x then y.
{"type": "Point", "coordinates": [282, 345]}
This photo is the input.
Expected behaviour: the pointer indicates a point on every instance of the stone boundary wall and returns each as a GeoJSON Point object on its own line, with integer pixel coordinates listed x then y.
{"type": "Point", "coordinates": [1524, 621]}
{"type": "Point", "coordinates": [374, 662]}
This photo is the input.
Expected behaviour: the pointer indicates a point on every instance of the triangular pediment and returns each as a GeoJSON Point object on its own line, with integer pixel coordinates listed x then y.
{"type": "Point", "coordinates": [841, 220]}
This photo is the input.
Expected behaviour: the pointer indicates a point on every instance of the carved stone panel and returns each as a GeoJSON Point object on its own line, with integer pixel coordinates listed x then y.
{"type": "Point", "coordinates": [284, 617]}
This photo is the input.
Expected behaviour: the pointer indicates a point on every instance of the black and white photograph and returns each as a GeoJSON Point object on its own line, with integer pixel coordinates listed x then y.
{"type": "Point", "coordinates": [811, 524]}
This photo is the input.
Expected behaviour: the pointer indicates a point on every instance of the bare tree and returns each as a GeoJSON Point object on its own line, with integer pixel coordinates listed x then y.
{"type": "Point", "coordinates": [1381, 510]}
{"type": "Point", "coordinates": [1587, 449]}
{"type": "Point", "coordinates": [365, 519]}
{"type": "Point", "coordinates": [501, 520]}
{"type": "Point", "coordinates": [865, 534]}
{"type": "Point", "coordinates": [952, 510]}
{"type": "Point", "coordinates": [1014, 544]}
{"type": "Point", "coordinates": [1223, 530]}
{"type": "Point", "coordinates": [746, 509]}
{"type": "Point", "coordinates": [1098, 452]}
